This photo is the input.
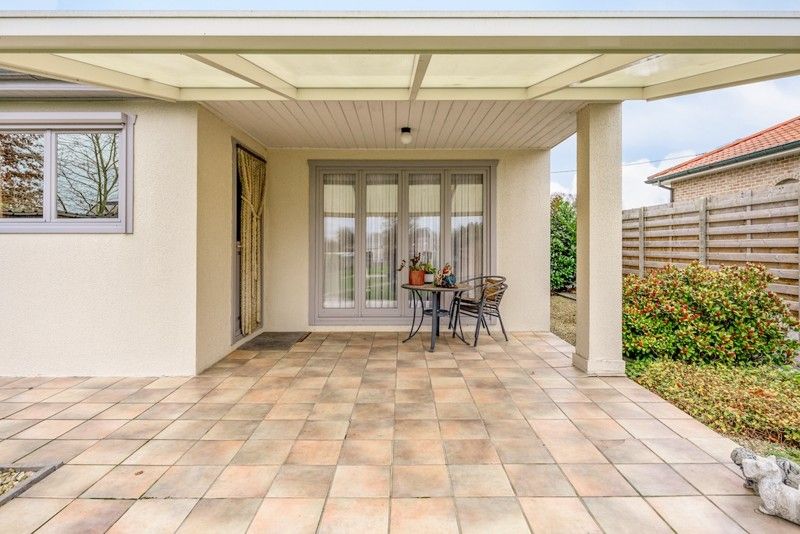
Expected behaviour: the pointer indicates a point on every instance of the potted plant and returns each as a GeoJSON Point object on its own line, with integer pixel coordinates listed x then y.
{"type": "Point", "coordinates": [430, 272]}
{"type": "Point", "coordinates": [416, 276]}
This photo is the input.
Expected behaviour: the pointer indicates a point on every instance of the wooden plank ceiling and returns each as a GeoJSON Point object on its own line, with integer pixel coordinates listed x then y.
{"type": "Point", "coordinates": [375, 124]}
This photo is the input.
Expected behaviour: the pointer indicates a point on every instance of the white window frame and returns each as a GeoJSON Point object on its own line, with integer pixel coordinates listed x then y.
{"type": "Point", "coordinates": [400, 316]}
{"type": "Point", "coordinates": [51, 124]}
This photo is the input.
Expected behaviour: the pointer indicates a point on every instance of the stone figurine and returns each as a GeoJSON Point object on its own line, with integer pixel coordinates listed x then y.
{"type": "Point", "coordinates": [775, 481]}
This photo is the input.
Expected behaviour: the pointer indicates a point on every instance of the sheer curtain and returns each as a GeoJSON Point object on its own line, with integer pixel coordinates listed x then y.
{"type": "Point", "coordinates": [252, 179]}
{"type": "Point", "coordinates": [339, 233]}
{"type": "Point", "coordinates": [382, 217]}
{"type": "Point", "coordinates": [466, 224]}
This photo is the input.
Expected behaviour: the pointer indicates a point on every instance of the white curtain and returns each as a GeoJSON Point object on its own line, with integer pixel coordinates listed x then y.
{"type": "Point", "coordinates": [339, 233]}
{"type": "Point", "coordinates": [252, 180]}
{"type": "Point", "coordinates": [466, 224]}
{"type": "Point", "coordinates": [381, 239]}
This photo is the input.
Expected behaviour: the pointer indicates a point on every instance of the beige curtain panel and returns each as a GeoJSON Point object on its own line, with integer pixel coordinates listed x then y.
{"type": "Point", "coordinates": [252, 176]}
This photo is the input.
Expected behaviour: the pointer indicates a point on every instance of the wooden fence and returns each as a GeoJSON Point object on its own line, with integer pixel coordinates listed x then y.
{"type": "Point", "coordinates": [757, 226]}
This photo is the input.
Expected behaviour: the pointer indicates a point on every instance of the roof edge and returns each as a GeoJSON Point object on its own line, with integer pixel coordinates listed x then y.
{"type": "Point", "coordinates": [771, 151]}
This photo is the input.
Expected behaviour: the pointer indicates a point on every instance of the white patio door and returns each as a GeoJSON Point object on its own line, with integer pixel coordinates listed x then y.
{"type": "Point", "coordinates": [368, 217]}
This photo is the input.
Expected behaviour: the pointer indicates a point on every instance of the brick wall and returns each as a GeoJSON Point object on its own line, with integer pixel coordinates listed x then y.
{"type": "Point", "coordinates": [761, 174]}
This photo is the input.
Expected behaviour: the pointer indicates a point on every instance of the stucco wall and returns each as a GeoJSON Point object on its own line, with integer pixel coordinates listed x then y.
{"type": "Point", "coordinates": [760, 174]}
{"type": "Point", "coordinates": [215, 219]}
{"type": "Point", "coordinates": [523, 251]}
{"type": "Point", "coordinates": [113, 304]}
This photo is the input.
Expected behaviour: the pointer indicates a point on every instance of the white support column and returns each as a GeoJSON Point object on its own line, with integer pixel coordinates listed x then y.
{"type": "Point", "coordinates": [598, 349]}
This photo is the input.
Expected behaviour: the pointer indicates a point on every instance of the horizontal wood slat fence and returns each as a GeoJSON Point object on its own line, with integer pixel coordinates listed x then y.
{"type": "Point", "coordinates": [756, 226]}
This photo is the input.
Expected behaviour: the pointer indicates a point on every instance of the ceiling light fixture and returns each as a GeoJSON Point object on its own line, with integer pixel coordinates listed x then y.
{"type": "Point", "coordinates": [405, 135]}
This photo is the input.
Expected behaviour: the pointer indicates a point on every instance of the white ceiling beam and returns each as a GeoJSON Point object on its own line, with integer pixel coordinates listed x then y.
{"type": "Point", "coordinates": [421, 62]}
{"type": "Point", "coordinates": [593, 68]}
{"type": "Point", "coordinates": [596, 94]}
{"type": "Point", "coordinates": [70, 70]}
{"type": "Point", "coordinates": [237, 66]}
{"type": "Point", "coordinates": [753, 71]}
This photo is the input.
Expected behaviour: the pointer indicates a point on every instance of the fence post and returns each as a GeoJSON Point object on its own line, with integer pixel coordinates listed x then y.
{"type": "Point", "coordinates": [641, 241]}
{"type": "Point", "coordinates": [702, 246]}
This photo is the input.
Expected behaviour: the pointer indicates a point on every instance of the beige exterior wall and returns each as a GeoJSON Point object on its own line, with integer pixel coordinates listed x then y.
{"type": "Point", "coordinates": [111, 304]}
{"type": "Point", "coordinates": [760, 174]}
{"type": "Point", "coordinates": [522, 228]}
{"type": "Point", "coordinates": [215, 220]}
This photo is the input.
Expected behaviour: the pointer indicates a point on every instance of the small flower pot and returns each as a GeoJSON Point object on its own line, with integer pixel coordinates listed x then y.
{"type": "Point", "coordinates": [416, 278]}
{"type": "Point", "coordinates": [429, 277]}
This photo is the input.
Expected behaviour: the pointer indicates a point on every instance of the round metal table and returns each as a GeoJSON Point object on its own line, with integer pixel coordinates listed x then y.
{"type": "Point", "coordinates": [435, 311]}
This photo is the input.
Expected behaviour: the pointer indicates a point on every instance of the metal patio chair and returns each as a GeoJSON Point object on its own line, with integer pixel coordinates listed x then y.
{"type": "Point", "coordinates": [487, 293]}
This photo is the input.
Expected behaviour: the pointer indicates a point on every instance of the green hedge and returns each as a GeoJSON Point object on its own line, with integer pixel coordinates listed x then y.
{"type": "Point", "coordinates": [756, 402]}
{"type": "Point", "coordinates": [563, 226]}
{"type": "Point", "coordinates": [697, 314]}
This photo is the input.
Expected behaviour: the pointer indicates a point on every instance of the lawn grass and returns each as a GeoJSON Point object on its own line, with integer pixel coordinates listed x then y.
{"type": "Point", "coordinates": [562, 318]}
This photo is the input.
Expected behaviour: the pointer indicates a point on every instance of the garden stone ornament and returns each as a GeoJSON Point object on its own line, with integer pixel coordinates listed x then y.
{"type": "Point", "coordinates": [774, 482]}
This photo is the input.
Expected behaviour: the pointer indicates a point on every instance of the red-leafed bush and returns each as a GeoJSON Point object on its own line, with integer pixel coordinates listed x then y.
{"type": "Point", "coordinates": [697, 314]}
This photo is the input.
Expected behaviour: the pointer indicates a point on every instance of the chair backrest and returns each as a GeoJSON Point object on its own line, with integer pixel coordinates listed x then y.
{"type": "Point", "coordinates": [493, 291]}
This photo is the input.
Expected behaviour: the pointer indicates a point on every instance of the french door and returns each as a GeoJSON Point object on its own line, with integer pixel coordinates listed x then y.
{"type": "Point", "coordinates": [368, 217]}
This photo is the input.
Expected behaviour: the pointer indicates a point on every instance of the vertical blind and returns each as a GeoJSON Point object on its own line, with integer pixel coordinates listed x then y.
{"type": "Point", "coordinates": [370, 219]}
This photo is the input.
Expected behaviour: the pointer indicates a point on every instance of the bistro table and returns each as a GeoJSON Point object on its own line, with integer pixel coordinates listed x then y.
{"type": "Point", "coordinates": [435, 312]}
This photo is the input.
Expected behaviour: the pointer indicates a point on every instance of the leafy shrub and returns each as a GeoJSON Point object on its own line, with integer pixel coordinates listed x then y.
{"type": "Point", "coordinates": [697, 314]}
{"type": "Point", "coordinates": [755, 402]}
{"type": "Point", "coordinates": [563, 226]}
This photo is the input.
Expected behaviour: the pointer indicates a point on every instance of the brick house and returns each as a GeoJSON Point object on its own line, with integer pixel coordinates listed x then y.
{"type": "Point", "coordinates": [766, 158]}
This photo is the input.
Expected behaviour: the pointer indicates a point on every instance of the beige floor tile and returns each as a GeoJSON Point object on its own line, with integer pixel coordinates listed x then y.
{"type": "Point", "coordinates": [372, 429]}
{"type": "Point", "coordinates": [287, 516]}
{"type": "Point", "coordinates": [326, 430]}
{"type": "Point", "coordinates": [185, 429]}
{"type": "Point", "coordinates": [354, 515]}
{"type": "Point", "coordinates": [415, 516]}
{"type": "Point", "coordinates": [58, 450]}
{"type": "Point", "coordinates": [480, 481]}
{"type": "Point", "coordinates": [656, 479]}
{"type": "Point", "coordinates": [420, 481]}
{"type": "Point", "coordinates": [220, 515]}
{"type": "Point", "coordinates": [153, 516]}
{"type": "Point", "coordinates": [533, 480]}
{"type": "Point", "coordinates": [13, 449]}
{"type": "Point", "coordinates": [210, 453]}
{"type": "Point", "coordinates": [123, 411]}
{"type": "Point", "coordinates": [366, 452]}
{"type": "Point", "coordinates": [416, 429]}
{"type": "Point", "coordinates": [647, 428]}
{"type": "Point", "coordinates": [522, 451]}
{"type": "Point", "coordinates": [302, 481]}
{"type": "Point", "coordinates": [68, 481]}
{"type": "Point", "coordinates": [463, 429]}
{"type": "Point", "coordinates": [626, 451]}
{"type": "Point", "coordinates": [165, 410]}
{"type": "Point", "coordinates": [242, 481]}
{"type": "Point", "coordinates": [713, 479]}
{"type": "Point", "coordinates": [558, 514]}
{"type": "Point", "coordinates": [49, 429]}
{"type": "Point", "coordinates": [744, 510]}
{"type": "Point", "coordinates": [470, 451]}
{"type": "Point", "coordinates": [108, 451]}
{"type": "Point", "coordinates": [247, 412]}
{"type": "Point", "coordinates": [125, 482]}
{"type": "Point", "coordinates": [42, 410]}
{"type": "Point", "coordinates": [574, 450]}
{"type": "Point", "coordinates": [601, 429]}
{"type": "Point", "coordinates": [626, 515]}
{"type": "Point", "coordinates": [184, 482]}
{"type": "Point", "coordinates": [314, 452]}
{"type": "Point", "coordinates": [330, 411]}
{"type": "Point", "coordinates": [677, 451]}
{"type": "Point", "coordinates": [139, 429]}
{"type": "Point", "coordinates": [361, 481]}
{"type": "Point", "coordinates": [555, 429]}
{"type": "Point", "coordinates": [499, 515]}
{"type": "Point", "coordinates": [159, 452]}
{"type": "Point", "coordinates": [418, 452]}
{"type": "Point", "coordinates": [22, 515]}
{"type": "Point", "coordinates": [510, 429]}
{"type": "Point", "coordinates": [597, 480]}
{"type": "Point", "coordinates": [263, 452]}
{"type": "Point", "coordinates": [231, 430]}
{"type": "Point", "coordinates": [86, 515]}
{"type": "Point", "coordinates": [422, 410]}
{"type": "Point", "coordinates": [278, 429]}
{"type": "Point", "coordinates": [695, 515]}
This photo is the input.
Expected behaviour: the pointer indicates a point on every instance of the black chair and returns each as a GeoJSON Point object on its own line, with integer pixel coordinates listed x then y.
{"type": "Point", "coordinates": [487, 293]}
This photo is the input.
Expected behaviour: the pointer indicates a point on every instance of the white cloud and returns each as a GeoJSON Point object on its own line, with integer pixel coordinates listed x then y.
{"type": "Point", "coordinates": [635, 192]}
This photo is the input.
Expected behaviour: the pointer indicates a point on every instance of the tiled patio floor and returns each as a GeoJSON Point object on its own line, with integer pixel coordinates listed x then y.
{"type": "Point", "coordinates": [358, 433]}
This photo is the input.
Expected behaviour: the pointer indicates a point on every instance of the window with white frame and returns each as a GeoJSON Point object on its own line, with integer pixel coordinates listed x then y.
{"type": "Point", "coordinates": [65, 172]}
{"type": "Point", "coordinates": [367, 216]}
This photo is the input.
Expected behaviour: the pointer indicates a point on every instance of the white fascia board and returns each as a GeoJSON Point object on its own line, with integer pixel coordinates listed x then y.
{"type": "Point", "coordinates": [85, 118]}
{"type": "Point", "coordinates": [597, 66]}
{"type": "Point", "coordinates": [402, 32]}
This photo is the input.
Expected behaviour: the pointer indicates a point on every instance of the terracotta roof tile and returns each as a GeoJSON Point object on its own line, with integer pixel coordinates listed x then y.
{"type": "Point", "coordinates": [774, 136]}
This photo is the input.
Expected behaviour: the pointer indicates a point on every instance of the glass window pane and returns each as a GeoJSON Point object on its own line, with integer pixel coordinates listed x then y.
{"type": "Point", "coordinates": [88, 175]}
{"type": "Point", "coordinates": [381, 233]}
{"type": "Point", "coordinates": [424, 216]}
{"type": "Point", "coordinates": [21, 175]}
{"type": "Point", "coordinates": [339, 231]}
{"type": "Point", "coordinates": [466, 224]}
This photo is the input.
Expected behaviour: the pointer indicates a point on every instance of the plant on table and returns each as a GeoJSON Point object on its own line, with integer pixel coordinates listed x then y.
{"type": "Point", "coordinates": [416, 275]}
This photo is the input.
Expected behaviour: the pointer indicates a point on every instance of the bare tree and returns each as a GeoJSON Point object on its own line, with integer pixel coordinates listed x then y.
{"type": "Point", "coordinates": [88, 174]}
{"type": "Point", "coordinates": [21, 174]}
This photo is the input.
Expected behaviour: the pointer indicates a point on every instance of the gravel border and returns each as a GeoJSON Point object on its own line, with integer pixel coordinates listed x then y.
{"type": "Point", "coordinates": [38, 472]}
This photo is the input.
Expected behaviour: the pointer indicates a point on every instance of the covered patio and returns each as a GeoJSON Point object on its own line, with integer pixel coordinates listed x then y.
{"type": "Point", "coordinates": [355, 432]}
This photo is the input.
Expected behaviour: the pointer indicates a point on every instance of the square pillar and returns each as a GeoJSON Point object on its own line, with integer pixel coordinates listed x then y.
{"type": "Point", "coordinates": [598, 350]}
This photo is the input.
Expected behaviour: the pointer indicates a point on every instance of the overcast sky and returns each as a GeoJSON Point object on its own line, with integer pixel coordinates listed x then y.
{"type": "Point", "coordinates": [656, 135]}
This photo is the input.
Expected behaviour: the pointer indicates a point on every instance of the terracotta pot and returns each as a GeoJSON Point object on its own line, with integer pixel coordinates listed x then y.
{"type": "Point", "coordinates": [416, 278]}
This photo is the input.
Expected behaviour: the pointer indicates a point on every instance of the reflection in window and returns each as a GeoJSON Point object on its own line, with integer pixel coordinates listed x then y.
{"type": "Point", "coordinates": [88, 175]}
{"type": "Point", "coordinates": [381, 240]}
{"type": "Point", "coordinates": [21, 175]}
{"type": "Point", "coordinates": [466, 224]}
